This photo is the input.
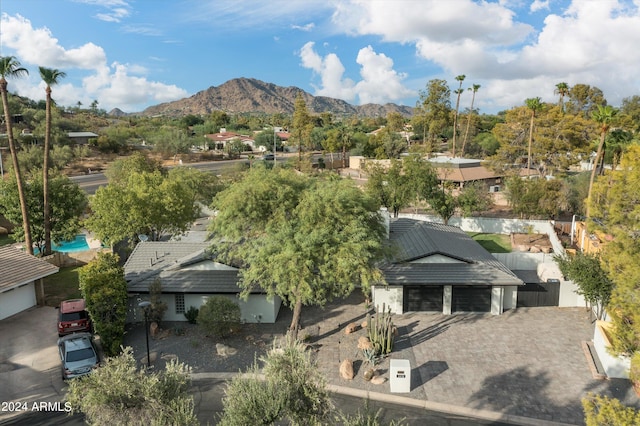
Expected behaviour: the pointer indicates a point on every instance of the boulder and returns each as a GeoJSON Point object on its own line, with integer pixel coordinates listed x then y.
{"type": "Point", "coordinates": [346, 369]}
{"type": "Point", "coordinates": [364, 343]}
{"type": "Point", "coordinates": [224, 350]}
{"type": "Point", "coordinates": [369, 374]}
{"type": "Point", "coordinates": [364, 324]}
{"type": "Point", "coordinates": [153, 329]}
{"type": "Point", "coordinates": [152, 356]}
{"type": "Point", "coordinates": [351, 328]}
{"type": "Point", "coordinates": [378, 380]}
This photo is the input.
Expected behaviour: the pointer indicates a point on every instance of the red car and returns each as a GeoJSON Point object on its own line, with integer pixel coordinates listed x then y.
{"type": "Point", "coordinates": [73, 317]}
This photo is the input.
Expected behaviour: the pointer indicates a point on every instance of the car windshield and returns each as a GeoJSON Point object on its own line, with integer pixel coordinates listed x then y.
{"type": "Point", "coordinates": [79, 355]}
{"type": "Point", "coordinates": [73, 316]}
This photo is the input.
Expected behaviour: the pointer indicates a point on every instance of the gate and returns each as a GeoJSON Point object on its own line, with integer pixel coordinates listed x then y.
{"type": "Point", "coordinates": [539, 294]}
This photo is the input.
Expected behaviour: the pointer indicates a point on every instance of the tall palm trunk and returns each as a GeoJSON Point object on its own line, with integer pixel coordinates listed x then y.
{"type": "Point", "coordinates": [16, 167]}
{"type": "Point", "coordinates": [594, 168]}
{"type": "Point", "coordinates": [466, 131]}
{"type": "Point", "coordinates": [45, 176]}
{"type": "Point", "coordinates": [533, 116]}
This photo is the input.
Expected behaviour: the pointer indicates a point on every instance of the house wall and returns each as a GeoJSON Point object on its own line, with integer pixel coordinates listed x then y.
{"type": "Point", "coordinates": [257, 308]}
{"type": "Point", "coordinates": [497, 295]}
{"type": "Point", "coordinates": [390, 295]}
{"type": "Point", "coordinates": [614, 366]}
{"type": "Point", "coordinates": [17, 300]}
{"type": "Point", "coordinates": [510, 298]}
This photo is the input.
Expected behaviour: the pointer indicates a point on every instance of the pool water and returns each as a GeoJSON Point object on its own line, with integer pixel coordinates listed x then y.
{"type": "Point", "coordinates": [79, 243]}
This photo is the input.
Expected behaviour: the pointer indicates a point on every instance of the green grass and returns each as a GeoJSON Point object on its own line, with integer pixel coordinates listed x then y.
{"type": "Point", "coordinates": [5, 240]}
{"type": "Point", "coordinates": [493, 243]}
{"type": "Point", "coordinates": [61, 286]}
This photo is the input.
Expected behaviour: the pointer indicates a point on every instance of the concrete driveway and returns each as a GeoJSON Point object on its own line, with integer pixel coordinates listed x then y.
{"type": "Point", "coordinates": [29, 363]}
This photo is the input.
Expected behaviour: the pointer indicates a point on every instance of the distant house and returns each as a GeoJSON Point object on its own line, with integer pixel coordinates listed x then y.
{"type": "Point", "coordinates": [19, 273]}
{"type": "Point", "coordinates": [461, 171]}
{"type": "Point", "coordinates": [81, 138]}
{"type": "Point", "coordinates": [188, 276]}
{"type": "Point", "coordinates": [439, 268]}
{"type": "Point", "coordinates": [220, 140]}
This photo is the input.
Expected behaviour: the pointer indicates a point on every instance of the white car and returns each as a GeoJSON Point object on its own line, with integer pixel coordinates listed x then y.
{"type": "Point", "coordinates": [78, 355]}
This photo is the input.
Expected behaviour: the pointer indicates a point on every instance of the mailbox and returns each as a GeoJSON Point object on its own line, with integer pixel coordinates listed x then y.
{"type": "Point", "coordinates": [400, 375]}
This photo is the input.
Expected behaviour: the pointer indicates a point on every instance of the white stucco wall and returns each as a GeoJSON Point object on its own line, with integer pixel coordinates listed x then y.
{"type": "Point", "coordinates": [497, 295]}
{"type": "Point", "coordinates": [614, 366]}
{"type": "Point", "coordinates": [389, 295]}
{"type": "Point", "coordinates": [257, 308]}
{"type": "Point", "coordinates": [510, 298]}
{"type": "Point", "coordinates": [17, 300]}
{"type": "Point", "coordinates": [569, 296]}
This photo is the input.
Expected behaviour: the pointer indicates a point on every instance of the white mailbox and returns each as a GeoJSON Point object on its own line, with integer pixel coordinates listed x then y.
{"type": "Point", "coordinates": [400, 375]}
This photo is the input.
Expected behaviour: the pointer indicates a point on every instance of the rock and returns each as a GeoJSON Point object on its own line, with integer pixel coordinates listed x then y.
{"type": "Point", "coordinates": [378, 380]}
{"type": "Point", "coordinates": [152, 355]}
{"type": "Point", "coordinates": [364, 324]}
{"type": "Point", "coordinates": [224, 350]}
{"type": "Point", "coordinates": [351, 328]}
{"type": "Point", "coordinates": [535, 249]}
{"type": "Point", "coordinates": [346, 369]}
{"type": "Point", "coordinates": [364, 343]}
{"type": "Point", "coordinates": [169, 357]}
{"type": "Point", "coordinates": [547, 250]}
{"type": "Point", "coordinates": [369, 374]}
{"type": "Point", "coordinates": [153, 329]}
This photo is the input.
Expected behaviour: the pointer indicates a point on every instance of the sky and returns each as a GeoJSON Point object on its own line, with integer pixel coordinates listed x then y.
{"type": "Point", "coordinates": [131, 54]}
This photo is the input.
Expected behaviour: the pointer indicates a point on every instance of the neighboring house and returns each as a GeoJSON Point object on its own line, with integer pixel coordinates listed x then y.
{"type": "Point", "coordinates": [81, 138]}
{"type": "Point", "coordinates": [220, 140]}
{"type": "Point", "coordinates": [461, 171]}
{"type": "Point", "coordinates": [189, 276]}
{"type": "Point", "coordinates": [439, 268]}
{"type": "Point", "coordinates": [19, 272]}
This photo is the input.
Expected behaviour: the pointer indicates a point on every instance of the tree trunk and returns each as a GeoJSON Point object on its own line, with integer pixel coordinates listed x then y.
{"type": "Point", "coordinates": [295, 321]}
{"type": "Point", "coordinates": [16, 167]}
{"type": "Point", "coordinates": [45, 176]}
{"type": "Point", "coordinates": [533, 114]}
{"type": "Point", "coordinates": [466, 132]}
{"type": "Point", "coordinates": [593, 171]}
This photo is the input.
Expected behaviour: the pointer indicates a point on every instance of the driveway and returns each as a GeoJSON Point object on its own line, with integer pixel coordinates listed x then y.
{"type": "Point", "coordinates": [29, 363]}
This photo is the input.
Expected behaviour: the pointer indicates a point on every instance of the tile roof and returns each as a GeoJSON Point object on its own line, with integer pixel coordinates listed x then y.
{"type": "Point", "coordinates": [472, 264]}
{"type": "Point", "coordinates": [18, 267]}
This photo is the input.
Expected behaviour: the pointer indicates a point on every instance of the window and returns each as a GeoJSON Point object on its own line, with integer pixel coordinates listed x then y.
{"type": "Point", "coordinates": [179, 303]}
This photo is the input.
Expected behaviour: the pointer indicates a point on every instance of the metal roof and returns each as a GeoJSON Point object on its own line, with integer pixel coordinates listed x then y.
{"type": "Point", "coordinates": [413, 240]}
{"type": "Point", "coordinates": [18, 267]}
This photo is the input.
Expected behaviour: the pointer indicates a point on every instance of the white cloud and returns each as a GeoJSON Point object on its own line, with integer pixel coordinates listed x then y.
{"type": "Point", "coordinates": [308, 27]}
{"type": "Point", "coordinates": [538, 5]}
{"type": "Point", "coordinates": [120, 85]}
{"type": "Point", "coordinates": [380, 83]}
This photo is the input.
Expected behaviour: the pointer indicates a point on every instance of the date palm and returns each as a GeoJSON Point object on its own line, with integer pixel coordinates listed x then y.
{"type": "Point", "coordinates": [562, 89]}
{"type": "Point", "coordinates": [458, 92]}
{"type": "Point", "coordinates": [535, 105]}
{"type": "Point", "coordinates": [475, 89]}
{"type": "Point", "coordinates": [11, 68]}
{"type": "Point", "coordinates": [604, 117]}
{"type": "Point", "coordinates": [51, 77]}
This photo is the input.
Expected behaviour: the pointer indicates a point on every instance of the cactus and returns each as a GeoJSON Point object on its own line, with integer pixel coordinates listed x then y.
{"type": "Point", "coordinates": [381, 331]}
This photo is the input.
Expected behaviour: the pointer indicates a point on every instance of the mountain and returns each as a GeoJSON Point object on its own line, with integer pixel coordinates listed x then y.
{"type": "Point", "coordinates": [248, 95]}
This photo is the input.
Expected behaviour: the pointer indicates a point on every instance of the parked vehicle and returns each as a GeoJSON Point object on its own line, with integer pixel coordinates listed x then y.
{"type": "Point", "coordinates": [269, 157]}
{"type": "Point", "coordinates": [73, 317]}
{"type": "Point", "coordinates": [78, 355]}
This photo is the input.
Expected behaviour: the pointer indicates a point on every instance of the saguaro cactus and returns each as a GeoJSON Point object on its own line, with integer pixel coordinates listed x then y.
{"type": "Point", "coordinates": [381, 331]}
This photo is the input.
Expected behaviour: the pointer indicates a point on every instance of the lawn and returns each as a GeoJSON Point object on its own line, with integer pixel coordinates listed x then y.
{"type": "Point", "coordinates": [493, 243]}
{"type": "Point", "coordinates": [61, 286]}
{"type": "Point", "coordinates": [5, 240]}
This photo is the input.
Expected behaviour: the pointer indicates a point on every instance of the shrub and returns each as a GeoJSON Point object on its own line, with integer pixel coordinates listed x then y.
{"type": "Point", "coordinates": [191, 315]}
{"type": "Point", "coordinates": [158, 307]}
{"type": "Point", "coordinates": [219, 316]}
{"type": "Point", "coordinates": [601, 410]}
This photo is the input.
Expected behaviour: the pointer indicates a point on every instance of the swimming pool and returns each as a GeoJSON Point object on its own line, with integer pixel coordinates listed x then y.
{"type": "Point", "coordinates": [79, 243]}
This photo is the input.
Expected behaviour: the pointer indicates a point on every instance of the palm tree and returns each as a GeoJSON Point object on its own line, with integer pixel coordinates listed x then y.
{"type": "Point", "coordinates": [603, 116]}
{"type": "Point", "coordinates": [458, 92]}
{"type": "Point", "coordinates": [474, 88]}
{"type": "Point", "coordinates": [562, 89]}
{"type": "Point", "coordinates": [51, 77]}
{"type": "Point", "coordinates": [534, 104]}
{"type": "Point", "coordinates": [10, 67]}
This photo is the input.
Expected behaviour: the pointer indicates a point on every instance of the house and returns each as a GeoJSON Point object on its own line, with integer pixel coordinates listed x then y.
{"type": "Point", "coordinates": [19, 272]}
{"type": "Point", "coordinates": [81, 138]}
{"type": "Point", "coordinates": [220, 140]}
{"type": "Point", "coordinates": [188, 276]}
{"type": "Point", "coordinates": [461, 171]}
{"type": "Point", "coordinates": [439, 268]}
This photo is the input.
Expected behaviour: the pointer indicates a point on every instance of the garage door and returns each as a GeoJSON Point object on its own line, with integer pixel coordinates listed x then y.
{"type": "Point", "coordinates": [17, 300]}
{"type": "Point", "coordinates": [471, 299]}
{"type": "Point", "coordinates": [422, 298]}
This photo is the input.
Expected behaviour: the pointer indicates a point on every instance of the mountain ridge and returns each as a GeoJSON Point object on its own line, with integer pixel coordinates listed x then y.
{"type": "Point", "coordinates": [250, 95]}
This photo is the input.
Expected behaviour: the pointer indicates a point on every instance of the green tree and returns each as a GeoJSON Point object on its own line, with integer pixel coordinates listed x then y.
{"type": "Point", "coordinates": [11, 68]}
{"type": "Point", "coordinates": [615, 201]}
{"type": "Point", "coordinates": [67, 203]}
{"type": "Point", "coordinates": [219, 316]}
{"type": "Point", "coordinates": [584, 99]}
{"type": "Point", "coordinates": [561, 89]}
{"type": "Point", "coordinates": [535, 197]}
{"type": "Point", "coordinates": [433, 111]}
{"type": "Point", "coordinates": [604, 116]}
{"type": "Point", "coordinates": [601, 410]}
{"type": "Point", "coordinates": [51, 77]}
{"type": "Point", "coordinates": [306, 240]}
{"type": "Point", "coordinates": [104, 288]}
{"type": "Point", "coordinates": [302, 124]}
{"type": "Point", "coordinates": [474, 198]}
{"type": "Point", "coordinates": [535, 105]}
{"type": "Point", "coordinates": [118, 393]}
{"type": "Point", "coordinates": [293, 389]}
{"type": "Point", "coordinates": [593, 282]}
{"type": "Point", "coordinates": [458, 92]}
{"type": "Point", "coordinates": [474, 89]}
{"type": "Point", "coordinates": [389, 186]}
{"type": "Point", "coordinates": [158, 306]}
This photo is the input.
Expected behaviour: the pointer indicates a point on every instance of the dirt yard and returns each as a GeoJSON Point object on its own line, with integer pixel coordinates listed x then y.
{"type": "Point", "coordinates": [533, 243]}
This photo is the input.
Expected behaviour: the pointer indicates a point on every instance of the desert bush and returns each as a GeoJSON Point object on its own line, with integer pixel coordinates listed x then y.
{"type": "Point", "coordinates": [219, 316]}
{"type": "Point", "coordinates": [191, 315]}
